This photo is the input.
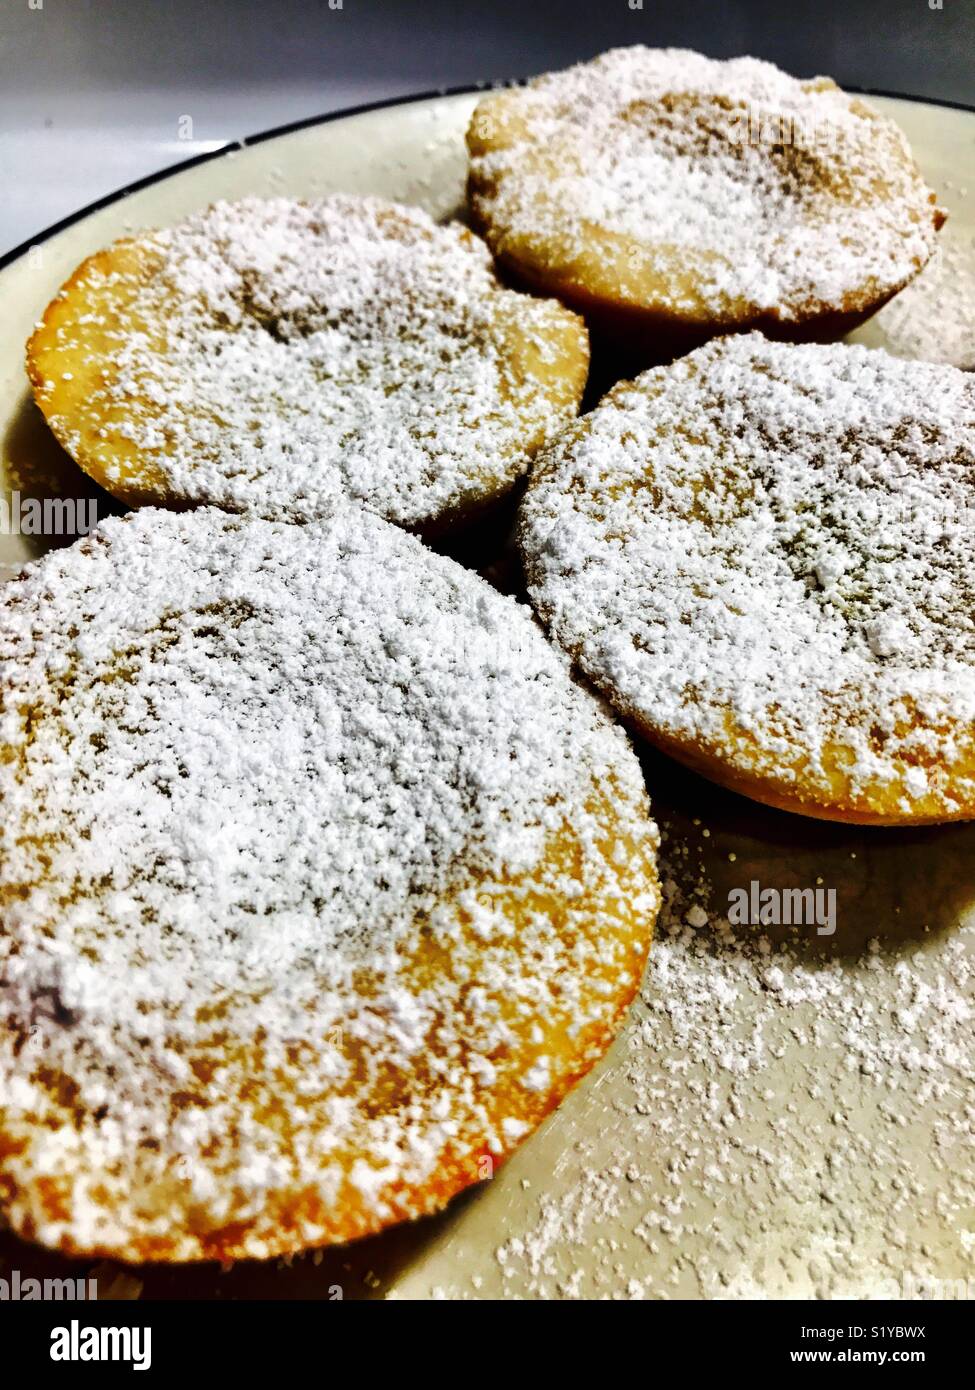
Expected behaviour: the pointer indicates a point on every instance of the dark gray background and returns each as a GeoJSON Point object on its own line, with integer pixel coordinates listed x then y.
{"type": "Point", "coordinates": [91, 91]}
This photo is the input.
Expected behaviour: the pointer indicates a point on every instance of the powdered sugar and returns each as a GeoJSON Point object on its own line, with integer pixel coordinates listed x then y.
{"type": "Point", "coordinates": [934, 318]}
{"type": "Point", "coordinates": [279, 353]}
{"type": "Point", "coordinates": [282, 816]}
{"type": "Point", "coordinates": [771, 1108]}
{"type": "Point", "coordinates": [745, 191]}
{"type": "Point", "coordinates": [779, 535]}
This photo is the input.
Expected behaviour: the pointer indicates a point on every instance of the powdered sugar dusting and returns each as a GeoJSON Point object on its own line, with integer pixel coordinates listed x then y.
{"type": "Point", "coordinates": [312, 882]}
{"type": "Point", "coordinates": [779, 1122]}
{"type": "Point", "coordinates": [934, 317]}
{"type": "Point", "coordinates": [747, 191]}
{"type": "Point", "coordinates": [281, 353]}
{"type": "Point", "coordinates": [781, 536]}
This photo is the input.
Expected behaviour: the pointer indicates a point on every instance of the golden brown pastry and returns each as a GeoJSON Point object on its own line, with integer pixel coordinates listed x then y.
{"type": "Point", "coordinates": [762, 556]}
{"type": "Point", "coordinates": [321, 882]}
{"type": "Point", "coordinates": [269, 355]}
{"type": "Point", "coordinates": [671, 197]}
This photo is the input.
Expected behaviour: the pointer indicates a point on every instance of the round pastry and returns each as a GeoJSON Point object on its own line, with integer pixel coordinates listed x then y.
{"type": "Point", "coordinates": [672, 197]}
{"type": "Point", "coordinates": [266, 356]}
{"type": "Point", "coordinates": [762, 555]}
{"type": "Point", "coordinates": [321, 882]}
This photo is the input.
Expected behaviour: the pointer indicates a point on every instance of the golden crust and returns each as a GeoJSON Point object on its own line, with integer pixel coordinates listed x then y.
{"type": "Point", "coordinates": [872, 735]}
{"type": "Point", "coordinates": [296, 1219]}
{"type": "Point", "coordinates": [125, 440]}
{"type": "Point", "coordinates": [639, 292]}
{"type": "Point", "coordinates": [742, 766]}
{"type": "Point", "coordinates": [738, 761]}
{"type": "Point", "coordinates": [70, 362]}
{"type": "Point", "coordinates": [360, 1066]}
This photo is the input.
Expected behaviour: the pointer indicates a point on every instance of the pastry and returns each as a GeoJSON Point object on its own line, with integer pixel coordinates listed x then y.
{"type": "Point", "coordinates": [762, 556]}
{"type": "Point", "coordinates": [268, 355]}
{"type": "Point", "coordinates": [671, 197]}
{"type": "Point", "coordinates": [321, 882]}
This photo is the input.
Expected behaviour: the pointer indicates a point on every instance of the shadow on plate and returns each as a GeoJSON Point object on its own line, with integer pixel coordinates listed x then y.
{"type": "Point", "coordinates": [36, 466]}
{"type": "Point", "coordinates": [363, 1270]}
{"type": "Point", "coordinates": [903, 886]}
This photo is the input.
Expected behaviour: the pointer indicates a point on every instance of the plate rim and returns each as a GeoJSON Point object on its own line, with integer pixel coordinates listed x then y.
{"type": "Point", "coordinates": [325, 118]}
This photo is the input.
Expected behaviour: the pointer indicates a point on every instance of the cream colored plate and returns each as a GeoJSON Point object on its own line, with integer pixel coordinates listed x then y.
{"type": "Point", "coordinates": [764, 1126]}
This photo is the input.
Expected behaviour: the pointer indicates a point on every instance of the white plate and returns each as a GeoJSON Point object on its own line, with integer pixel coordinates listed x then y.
{"type": "Point", "coordinates": [688, 1164]}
